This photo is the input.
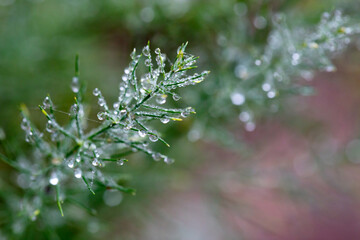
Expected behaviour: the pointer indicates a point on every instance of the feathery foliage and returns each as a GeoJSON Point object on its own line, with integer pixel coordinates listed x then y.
{"type": "Point", "coordinates": [74, 151]}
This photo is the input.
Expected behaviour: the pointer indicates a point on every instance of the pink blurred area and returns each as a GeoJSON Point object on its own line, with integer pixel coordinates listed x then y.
{"type": "Point", "coordinates": [298, 184]}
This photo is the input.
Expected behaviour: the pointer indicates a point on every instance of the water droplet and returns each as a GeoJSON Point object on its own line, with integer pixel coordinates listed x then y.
{"type": "Point", "coordinates": [54, 180]}
{"type": "Point", "coordinates": [142, 133]}
{"type": "Point", "coordinates": [95, 162]}
{"type": "Point", "coordinates": [156, 73]}
{"type": "Point", "coordinates": [164, 120]}
{"type": "Point", "coordinates": [147, 62]}
{"type": "Point", "coordinates": [168, 160]}
{"type": "Point", "coordinates": [74, 109]}
{"type": "Point", "coordinates": [71, 163]}
{"type": "Point", "coordinates": [78, 173]}
{"type": "Point", "coordinates": [153, 138]}
{"type": "Point", "coordinates": [78, 158]}
{"type": "Point", "coordinates": [156, 156]}
{"type": "Point", "coordinates": [146, 51]}
{"type": "Point", "coordinates": [101, 102]}
{"type": "Point", "coordinates": [123, 112]}
{"type": "Point", "coordinates": [24, 124]}
{"type": "Point", "coordinates": [116, 105]}
{"type": "Point", "coordinates": [75, 84]}
{"type": "Point", "coordinates": [50, 126]}
{"type": "Point", "coordinates": [96, 92]}
{"type": "Point", "coordinates": [96, 153]}
{"type": "Point", "coordinates": [121, 162]}
{"type": "Point", "coordinates": [46, 103]}
{"type": "Point", "coordinates": [133, 54]}
{"type": "Point", "coordinates": [124, 78]}
{"type": "Point", "coordinates": [159, 60]}
{"type": "Point", "coordinates": [146, 83]}
{"type": "Point", "coordinates": [237, 98]}
{"type": "Point", "coordinates": [185, 114]}
{"type": "Point", "coordinates": [198, 80]}
{"type": "Point", "coordinates": [101, 115]}
{"type": "Point", "coordinates": [161, 99]}
{"type": "Point", "coordinates": [176, 97]}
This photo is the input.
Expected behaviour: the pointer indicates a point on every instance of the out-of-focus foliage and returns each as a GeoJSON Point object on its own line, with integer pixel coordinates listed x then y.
{"type": "Point", "coordinates": [263, 80]}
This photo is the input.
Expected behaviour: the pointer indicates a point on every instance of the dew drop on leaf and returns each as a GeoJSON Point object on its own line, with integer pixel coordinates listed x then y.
{"type": "Point", "coordinates": [176, 97]}
{"type": "Point", "coordinates": [146, 51]}
{"type": "Point", "coordinates": [164, 120]}
{"type": "Point", "coordinates": [75, 85]}
{"type": "Point", "coordinates": [54, 180]}
{"type": "Point", "coordinates": [161, 99]}
{"type": "Point", "coordinates": [78, 173]}
{"type": "Point", "coordinates": [95, 162]}
{"type": "Point", "coordinates": [121, 162]}
{"type": "Point", "coordinates": [153, 138]}
{"type": "Point", "coordinates": [71, 163]}
{"type": "Point", "coordinates": [46, 103]}
{"type": "Point", "coordinates": [96, 92]}
{"type": "Point", "coordinates": [142, 133]}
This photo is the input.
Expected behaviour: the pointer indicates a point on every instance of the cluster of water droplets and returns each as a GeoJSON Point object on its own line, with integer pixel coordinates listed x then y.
{"type": "Point", "coordinates": [77, 152]}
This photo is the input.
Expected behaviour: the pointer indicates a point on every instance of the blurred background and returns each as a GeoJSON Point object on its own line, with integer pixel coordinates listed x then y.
{"type": "Point", "coordinates": [293, 177]}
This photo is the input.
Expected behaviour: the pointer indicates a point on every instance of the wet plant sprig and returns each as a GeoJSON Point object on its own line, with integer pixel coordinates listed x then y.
{"type": "Point", "coordinates": [125, 127]}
